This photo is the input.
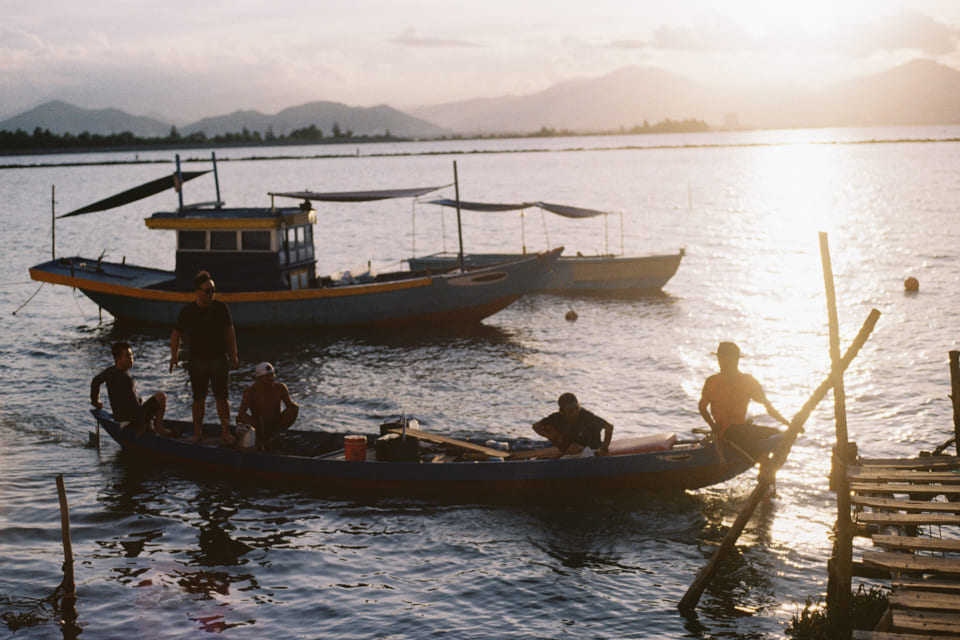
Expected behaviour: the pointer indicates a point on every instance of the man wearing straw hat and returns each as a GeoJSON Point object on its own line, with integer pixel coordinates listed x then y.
{"type": "Point", "coordinates": [727, 395]}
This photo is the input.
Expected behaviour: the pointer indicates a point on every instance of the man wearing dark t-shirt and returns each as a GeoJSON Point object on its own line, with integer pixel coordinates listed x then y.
{"type": "Point", "coordinates": [127, 407]}
{"type": "Point", "coordinates": [573, 428]}
{"type": "Point", "coordinates": [212, 344]}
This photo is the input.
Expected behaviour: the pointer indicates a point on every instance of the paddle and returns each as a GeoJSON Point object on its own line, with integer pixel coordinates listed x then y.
{"type": "Point", "coordinates": [462, 444]}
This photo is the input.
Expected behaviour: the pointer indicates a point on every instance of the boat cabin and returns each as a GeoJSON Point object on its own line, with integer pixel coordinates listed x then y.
{"type": "Point", "coordinates": [255, 248]}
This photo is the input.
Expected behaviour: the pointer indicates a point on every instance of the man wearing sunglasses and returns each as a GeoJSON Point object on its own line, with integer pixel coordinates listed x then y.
{"type": "Point", "coordinates": [211, 352]}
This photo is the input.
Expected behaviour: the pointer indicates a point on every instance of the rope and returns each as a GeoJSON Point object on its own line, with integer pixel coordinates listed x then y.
{"type": "Point", "coordinates": [30, 298]}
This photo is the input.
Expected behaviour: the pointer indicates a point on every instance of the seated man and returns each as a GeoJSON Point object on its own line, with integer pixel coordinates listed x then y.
{"type": "Point", "coordinates": [573, 428]}
{"type": "Point", "coordinates": [260, 407]}
{"type": "Point", "coordinates": [128, 408]}
{"type": "Point", "coordinates": [726, 396]}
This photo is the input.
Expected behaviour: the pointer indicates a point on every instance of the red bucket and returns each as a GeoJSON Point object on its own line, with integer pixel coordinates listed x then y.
{"type": "Point", "coordinates": [355, 448]}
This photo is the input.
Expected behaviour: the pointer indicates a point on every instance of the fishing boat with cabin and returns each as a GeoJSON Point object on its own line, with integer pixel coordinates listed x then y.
{"type": "Point", "coordinates": [263, 261]}
{"type": "Point", "coordinates": [604, 273]}
{"type": "Point", "coordinates": [402, 459]}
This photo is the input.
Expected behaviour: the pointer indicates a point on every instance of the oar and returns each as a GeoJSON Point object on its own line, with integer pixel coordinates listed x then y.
{"type": "Point", "coordinates": [462, 444]}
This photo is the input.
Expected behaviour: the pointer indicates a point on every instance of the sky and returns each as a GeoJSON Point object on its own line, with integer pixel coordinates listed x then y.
{"type": "Point", "coordinates": [185, 60]}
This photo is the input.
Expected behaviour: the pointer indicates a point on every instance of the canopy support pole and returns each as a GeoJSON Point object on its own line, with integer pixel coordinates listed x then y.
{"type": "Point", "coordinates": [53, 222]}
{"type": "Point", "coordinates": [216, 179]}
{"type": "Point", "coordinates": [456, 189]}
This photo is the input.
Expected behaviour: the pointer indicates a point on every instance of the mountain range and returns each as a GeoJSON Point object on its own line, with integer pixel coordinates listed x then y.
{"type": "Point", "coordinates": [919, 92]}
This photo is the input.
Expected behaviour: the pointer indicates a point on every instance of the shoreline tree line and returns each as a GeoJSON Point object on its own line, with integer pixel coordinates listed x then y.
{"type": "Point", "coordinates": [43, 140]}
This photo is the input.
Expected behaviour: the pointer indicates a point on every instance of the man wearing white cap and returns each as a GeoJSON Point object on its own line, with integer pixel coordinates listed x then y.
{"type": "Point", "coordinates": [261, 406]}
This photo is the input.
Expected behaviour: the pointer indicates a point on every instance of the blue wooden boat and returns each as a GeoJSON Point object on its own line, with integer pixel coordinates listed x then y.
{"type": "Point", "coordinates": [445, 466]}
{"type": "Point", "coordinates": [605, 273]}
{"type": "Point", "coordinates": [263, 261]}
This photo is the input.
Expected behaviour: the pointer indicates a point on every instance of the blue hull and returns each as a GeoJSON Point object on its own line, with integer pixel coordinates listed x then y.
{"type": "Point", "coordinates": [141, 294]}
{"type": "Point", "coordinates": [684, 467]}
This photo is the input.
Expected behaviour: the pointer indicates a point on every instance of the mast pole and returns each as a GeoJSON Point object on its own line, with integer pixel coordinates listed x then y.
{"type": "Point", "coordinates": [216, 177]}
{"type": "Point", "coordinates": [178, 181]}
{"type": "Point", "coordinates": [53, 222]}
{"type": "Point", "coordinates": [456, 189]}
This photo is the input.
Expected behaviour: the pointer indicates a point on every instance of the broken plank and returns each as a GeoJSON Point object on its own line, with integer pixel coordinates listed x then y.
{"type": "Point", "coordinates": [462, 444]}
{"type": "Point", "coordinates": [908, 562]}
{"type": "Point", "coordinates": [879, 475]}
{"type": "Point", "coordinates": [906, 505]}
{"type": "Point", "coordinates": [926, 621]}
{"type": "Point", "coordinates": [926, 462]}
{"type": "Point", "coordinates": [864, 517]}
{"type": "Point", "coordinates": [925, 600]}
{"type": "Point", "coordinates": [911, 543]}
{"type": "Point", "coordinates": [924, 489]}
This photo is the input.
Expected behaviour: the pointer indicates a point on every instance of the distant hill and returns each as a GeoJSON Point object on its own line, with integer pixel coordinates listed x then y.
{"type": "Point", "coordinates": [920, 92]}
{"type": "Point", "coordinates": [624, 98]}
{"type": "Point", "coordinates": [324, 115]}
{"type": "Point", "coordinates": [61, 117]}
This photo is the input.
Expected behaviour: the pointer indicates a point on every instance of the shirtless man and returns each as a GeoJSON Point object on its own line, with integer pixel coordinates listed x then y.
{"type": "Point", "coordinates": [726, 396]}
{"type": "Point", "coordinates": [260, 407]}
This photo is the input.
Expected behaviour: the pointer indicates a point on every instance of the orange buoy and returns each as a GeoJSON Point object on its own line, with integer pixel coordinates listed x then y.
{"type": "Point", "coordinates": [911, 284]}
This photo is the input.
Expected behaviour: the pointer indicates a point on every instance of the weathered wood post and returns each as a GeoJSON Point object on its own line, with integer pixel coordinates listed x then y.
{"type": "Point", "coordinates": [838, 583]}
{"type": "Point", "coordinates": [955, 396]}
{"type": "Point", "coordinates": [769, 469]}
{"type": "Point", "coordinates": [69, 602]}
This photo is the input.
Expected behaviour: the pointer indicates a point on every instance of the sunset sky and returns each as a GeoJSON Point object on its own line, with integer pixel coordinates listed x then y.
{"type": "Point", "coordinates": [187, 60]}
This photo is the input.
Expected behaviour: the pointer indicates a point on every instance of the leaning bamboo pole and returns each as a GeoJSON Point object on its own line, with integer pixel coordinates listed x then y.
{"type": "Point", "coordinates": [768, 470]}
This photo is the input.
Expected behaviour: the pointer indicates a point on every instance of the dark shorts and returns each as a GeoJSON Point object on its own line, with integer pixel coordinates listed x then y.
{"type": "Point", "coordinates": [148, 410]}
{"type": "Point", "coordinates": [748, 432]}
{"type": "Point", "coordinates": [206, 374]}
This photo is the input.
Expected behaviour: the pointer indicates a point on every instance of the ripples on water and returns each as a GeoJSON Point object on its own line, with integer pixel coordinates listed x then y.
{"type": "Point", "coordinates": [164, 553]}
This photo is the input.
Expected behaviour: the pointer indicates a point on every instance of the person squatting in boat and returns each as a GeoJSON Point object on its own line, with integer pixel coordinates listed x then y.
{"type": "Point", "coordinates": [128, 408]}
{"type": "Point", "coordinates": [261, 406]}
{"type": "Point", "coordinates": [572, 429]}
{"type": "Point", "coordinates": [726, 396]}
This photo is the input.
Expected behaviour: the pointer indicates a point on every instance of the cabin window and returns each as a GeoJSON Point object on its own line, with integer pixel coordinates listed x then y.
{"type": "Point", "coordinates": [223, 240]}
{"type": "Point", "coordinates": [255, 240]}
{"type": "Point", "coordinates": [299, 279]}
{"type": "Point", "coordinates": [192, 240]}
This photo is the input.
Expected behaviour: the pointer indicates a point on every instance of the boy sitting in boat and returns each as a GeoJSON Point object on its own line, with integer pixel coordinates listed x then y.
{"type": "Point", "coordinates": [572, 429]}
{"type": "Point", "coordinates": [726, 396]}
{"type": "Point", "coordinates": [261, 406]}
{"type": "Point", "coordinates": [128, 408]}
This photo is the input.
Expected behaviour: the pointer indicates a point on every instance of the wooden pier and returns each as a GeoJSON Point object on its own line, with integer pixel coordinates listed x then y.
{"type": "Point", "coordinates": [910, 509]}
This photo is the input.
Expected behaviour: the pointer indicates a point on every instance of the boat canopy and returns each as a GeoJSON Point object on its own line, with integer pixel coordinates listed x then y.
{"type": "Point", "coordinates": [357, 196]}
{"type": "Point", "coordinates": [559, 209]}
{"type": "Point", "coordinates": [136, 193]}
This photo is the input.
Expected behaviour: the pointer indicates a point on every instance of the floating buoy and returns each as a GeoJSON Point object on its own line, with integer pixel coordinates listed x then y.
{"type": "Point", "coordinates": [571, 316]}
{"type": "Point", "coordinates": [911, 284]}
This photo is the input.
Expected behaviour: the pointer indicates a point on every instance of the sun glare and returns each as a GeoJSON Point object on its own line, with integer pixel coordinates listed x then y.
{"type": "Point", "coordinates": [762, 19]}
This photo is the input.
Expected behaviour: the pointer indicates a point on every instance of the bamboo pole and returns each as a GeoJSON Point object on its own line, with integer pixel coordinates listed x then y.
{"type": "Point", "coordinates": [768, 471]}
{"type": "Point", "coordinates": [839, 580]}
{"type": "Point", "coordinates": [69, 601]}
{"type": "Point", "coordinates": [955, 396]}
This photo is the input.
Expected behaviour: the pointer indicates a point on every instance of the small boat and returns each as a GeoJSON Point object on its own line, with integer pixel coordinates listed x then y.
{"type": "Point", "coordinates": [606, 273]}
{"type": "Point", "coordinates": [262, 260]}
{"type": "Point", "coordinates": [400, 459]}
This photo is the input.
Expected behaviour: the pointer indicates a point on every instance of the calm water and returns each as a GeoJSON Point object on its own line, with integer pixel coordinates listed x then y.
{"type": "Point", "coordinates": [164, 554]}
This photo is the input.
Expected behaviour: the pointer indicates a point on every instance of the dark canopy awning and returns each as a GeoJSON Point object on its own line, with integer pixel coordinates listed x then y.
{"type": "Point", "coordinates": [480, 206]}
{"type": "Point", "coordinates": [559, 209]}
{"type": "Point", "coordinates": [357, 196]}
{"type": "Point", "coordinates": [137, 193]}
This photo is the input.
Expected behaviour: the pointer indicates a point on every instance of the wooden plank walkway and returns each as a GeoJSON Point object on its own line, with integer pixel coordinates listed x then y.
{"type": "Point", "coordinates": [916, 539]}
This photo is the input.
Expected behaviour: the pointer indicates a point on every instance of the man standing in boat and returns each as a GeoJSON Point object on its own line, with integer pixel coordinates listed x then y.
{"type": "Point", "coordinates": [126, 405]}
{"type": "Point", "coordinates": [573, 428]}
{"type": "Point", "coordinates": [261, 406]}
{"type": "Point", "coordinates": [212, 352]}
{"type": "Point", "coordinates": [727, 395]}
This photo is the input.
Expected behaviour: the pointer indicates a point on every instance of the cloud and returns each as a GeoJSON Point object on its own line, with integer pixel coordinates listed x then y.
{"type": "Point", "coordinates": [410, 38]}
{"type": "Point", "coordinates": [906, 30]}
